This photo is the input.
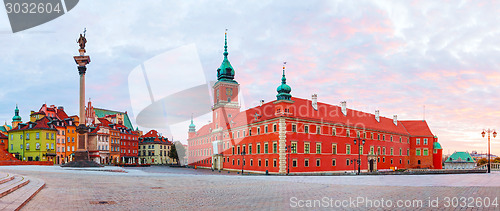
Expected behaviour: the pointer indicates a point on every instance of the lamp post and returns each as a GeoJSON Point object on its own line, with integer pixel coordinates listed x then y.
{"type": "Point", "coordinates": [360, 143]}
{"type": "Point", "coordinates": [288, 149]}
{"type": "Point", "coordinates": [243, 159]}
{"type": "Point", "coordinates": [489, 154]}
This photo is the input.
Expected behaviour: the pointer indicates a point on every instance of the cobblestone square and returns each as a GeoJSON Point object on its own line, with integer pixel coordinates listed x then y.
{"type": "Point", "coordinates": [165, 188]}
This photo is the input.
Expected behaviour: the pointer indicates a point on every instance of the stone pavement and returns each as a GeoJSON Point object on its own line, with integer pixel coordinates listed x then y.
{"type": "Point", "coordinates": [164, 188]}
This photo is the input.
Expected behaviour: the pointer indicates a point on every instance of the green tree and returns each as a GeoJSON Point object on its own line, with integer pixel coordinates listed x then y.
{"type": "Point", "coordinates": [482, 161]}
{"type": "Point", "coordinates": [173, 153]}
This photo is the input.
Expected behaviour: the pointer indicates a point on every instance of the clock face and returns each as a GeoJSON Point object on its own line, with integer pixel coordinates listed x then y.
{"type": "Point", "coordinates": [229, 92]}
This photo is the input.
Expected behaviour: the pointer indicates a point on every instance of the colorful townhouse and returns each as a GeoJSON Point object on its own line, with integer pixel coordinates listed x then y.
{"type": "Point", "coordinates": [154, 149]}
{"type": "Point", "coordinates": [297, 135]}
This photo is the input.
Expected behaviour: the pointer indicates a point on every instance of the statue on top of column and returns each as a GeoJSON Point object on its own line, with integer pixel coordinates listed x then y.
{"type": "Point", "coordinates": [81, 41]}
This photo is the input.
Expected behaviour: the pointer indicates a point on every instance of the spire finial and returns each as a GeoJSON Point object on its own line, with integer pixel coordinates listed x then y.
{"type": "Point", "coordinates": [225, 44]}
{"type": "Point", "coordinates": [191, 118]}
{"type": "Point", "coordinates": [283, 79]}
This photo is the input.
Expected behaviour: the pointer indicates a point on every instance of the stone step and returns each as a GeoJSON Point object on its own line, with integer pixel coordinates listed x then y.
{"type": "Point", "coordinates": [12, 185]}
{"type": "Point", "coordinates": [17, 199]}
{"type": "Point", "coordinates": [4, 177]}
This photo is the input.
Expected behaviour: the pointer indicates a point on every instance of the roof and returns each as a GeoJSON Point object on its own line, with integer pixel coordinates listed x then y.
{"type": "Point", "coordinates": [436, 145]}
{"type": "Point", "coordinates": [463, 157]}
{"type": "Point", "coordinates": [417, 128]}
{"type": "Point", "coordinates": [302, 109]}
{"type": "Point", "coordinates": [99, 112]}
{"type": "Point", "coordinates": [153, 137]}
{"type": "Point", "coordinates": [2, 136]}
{"type": "Point", "coordinates": [42, 123]}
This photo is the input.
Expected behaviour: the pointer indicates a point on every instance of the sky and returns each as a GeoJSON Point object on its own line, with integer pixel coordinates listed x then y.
{"type": "Point", "coordinates": [398, 57]}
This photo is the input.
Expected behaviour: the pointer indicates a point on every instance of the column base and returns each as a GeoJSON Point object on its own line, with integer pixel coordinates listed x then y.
{"type": "Point", "coordinates": [81, 159]}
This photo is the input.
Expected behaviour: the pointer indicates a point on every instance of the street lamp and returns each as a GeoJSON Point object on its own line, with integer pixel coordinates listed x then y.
{"type": "Point", "coordinates": [243, 159]}
{"type": "Point", "coordinates": [489, 154]}
{"type": "Point", "coordinates": [288, 149]}
{"type": "Point", "coordinates": [360, 143]}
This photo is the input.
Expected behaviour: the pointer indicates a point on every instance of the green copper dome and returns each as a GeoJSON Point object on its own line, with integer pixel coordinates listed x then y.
{"type": "Point", "coordinates": [436, 145]}
{"type": "Point", "coordinates": [283, 89]}
{"type": "Point", "coordinates": [192, 127]}
{"type": "Point", "coordinates": [225, 71]}
{"type": "Point", "coordinates": [16, 117]}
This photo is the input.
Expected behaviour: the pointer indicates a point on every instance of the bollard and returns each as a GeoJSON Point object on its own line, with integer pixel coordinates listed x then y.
{"type": "Point", "coordinates": [267, 172]}
{"type": "Point", "coordinates": [194, 167]}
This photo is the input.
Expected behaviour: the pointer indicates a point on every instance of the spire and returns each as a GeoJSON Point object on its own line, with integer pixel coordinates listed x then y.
{"type": "Point", "coordinates": [225, 45]}
{"type": "Point", "coordinates": [283, 89]}
{"type": "Point", "coordinates": [225, 71]}
{"type": "Point", "coordinates": [16, 117]}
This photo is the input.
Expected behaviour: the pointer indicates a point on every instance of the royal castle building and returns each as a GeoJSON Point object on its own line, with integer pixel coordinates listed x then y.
{"type": "Point", "coordinates": [297, 135]}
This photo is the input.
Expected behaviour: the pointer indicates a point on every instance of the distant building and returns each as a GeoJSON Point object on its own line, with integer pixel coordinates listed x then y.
{"type": "Point", "coordinates": [478, 156]}
{"type": "Point", "coordinates": [34, 141]}
{"type": "Point", "coordinates": [460, 160]}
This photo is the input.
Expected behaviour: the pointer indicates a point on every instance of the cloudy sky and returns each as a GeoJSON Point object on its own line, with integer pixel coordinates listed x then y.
{"type": "Point", "coordinates": [395, 56]}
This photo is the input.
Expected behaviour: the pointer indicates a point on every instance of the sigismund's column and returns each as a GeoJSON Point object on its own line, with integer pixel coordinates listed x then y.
{"type": "Point", "coordinates": [82, 60]}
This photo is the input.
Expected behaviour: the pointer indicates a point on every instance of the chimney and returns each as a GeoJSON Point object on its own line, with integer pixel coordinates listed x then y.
{"type": "Point", "coordinates": [395, 119]}
{"type": "Point", "coordinates": [377, 115]}
{"type": "Point", "coordinates": [315, 101]}
{"type": "Point", "coordinates": [261, 102]}
{"type": "Point", "coordinates": [60, 108]}
{"type": "Point", "coordinates": [344, 107]}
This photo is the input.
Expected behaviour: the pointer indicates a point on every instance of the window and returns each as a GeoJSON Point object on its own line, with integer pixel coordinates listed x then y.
{"type": "Point", "coordinates": [334, 131]}
{"type": "Point", "coordinates": [294, 147]}
{"type": "Point", "coordinates": [372, 136]}
{"type": "Point", "coordinates": [418, 141]}
{"type": "Point", "coordinates": [347, 162]}
{"type": "Point", "coordinates": [27, 137]}
{"type": "Point", "coordinates": [378, 137]}
{"type": "Point", "coordinates": [233, 162]}
{"type": "Point", "coordinates": [392, 151]}
{"type": "Point", "coordinates": [267, 162]}
{"type": "Point", "coordinates": [334, 163]}
{"type": "Point", "coordinates": [274, 162]}
{"type": "Point", "coordinates": [392, 161]}
{"type": "Point", "coordinates": [238, 162]}
{"type": "Point", "coordinates": [348, 133]}
{"type": "Point", "coordinates": [52, 136]}
{"type": "Point", "coordinates": [294, 163]}
{"type": "Point", "coordinates": [27, 146]}
{"type": "Point", "coordinates": [275, 128]}
{"type": "Point", "coordinates": [233, 151]}
{"type": "Point", "coordinates": [358, 134]}
{"type": "Point", "coordinates": [417, 152]}
{"type": "Point", "coordinates": [407, 152]}
{"type": "Point", "coordinates": [46, 135]}
{"type": "Point", "coordinates": [47, 146]}
{"type": "Point", "coordinates": [318, 148]}
{"type": "Point", "coordinates": [318, 129]}
{"type": "Point", "coordinates": [275, 147]}
{"type": "Point", "coordinates": [306, 128]}
{"type": "Point", "coordinates": [249, 149]}
{"type": "Point", "coordinates": [425, 141]}
{"type": "Point", "coordinates": [238, 151]}
{"type": "Point", "coordinates": [378, 151]}
{"type": "Point", "coordinates": [250, 132]}
{"type": "Point", "coordinates": [306, 162]}
{"type": "Point", "coordinates": [383, 150]}
{"type": "Point", "coordinates": [21, 146]}
{"type": "Point", "coordinates": [258, 148]}
{"type": "Point", "coordinates": [383, 137]}
{"type": "Point", "coordinates": [348, 149]}
{"type": "Point", "coordinates": [306, 148]}
{"type": "Point", "coordinates": [258, 130]}
{"type": "Point", "coordinates": [251, 162]}
{"type": "Point", "coordinates": [266, 148]}
{"type": "Point", "coordinates": [260, 163]}
{"type": "Point", "coordinates": [334, 149]}
{"type": "Point", "coordinates": [400, 140]}
{"type": "Point", "coordinates": [318, 162]}
{"type": "Point", "coordinates": [372, 150]}
{"type": "Point", "coordinates": [360, 150]}
{"type": "Point", "coordinates": [391, 139]}
{"type": "Point", "coordinates": [426, 152]}
{"type": "Point", "coordinates": [265, 129]}
{"type": "Point", "coordinates": [294, 128]}
{"type": "Point", "coordinates": [37, 135]}
{"type": "Point", "coordinates": [400, 151]}
{"type": "Point", "coordinates": [37, 146]}
{"type": "Point", "coordinates": [435, 151]}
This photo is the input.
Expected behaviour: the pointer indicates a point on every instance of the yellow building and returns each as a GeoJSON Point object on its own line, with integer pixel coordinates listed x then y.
{"type": "Point", "coordinates": [33, 141]}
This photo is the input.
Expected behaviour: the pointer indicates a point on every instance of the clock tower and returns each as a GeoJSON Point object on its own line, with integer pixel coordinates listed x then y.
{"type": "Point", "coordinates": [226, 90]}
